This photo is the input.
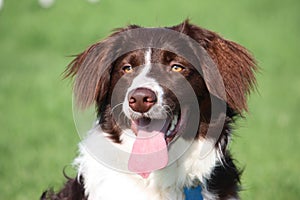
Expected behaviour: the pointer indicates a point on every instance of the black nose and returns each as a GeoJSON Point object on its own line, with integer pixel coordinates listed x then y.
{"type": "Point", "coordinates": [141, 99]}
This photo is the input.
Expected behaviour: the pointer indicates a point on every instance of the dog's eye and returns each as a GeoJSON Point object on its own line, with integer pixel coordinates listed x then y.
{"type": "Point", "coordinates": [177, 68]}
{"type": "Point", "coordinates": [127, 68]}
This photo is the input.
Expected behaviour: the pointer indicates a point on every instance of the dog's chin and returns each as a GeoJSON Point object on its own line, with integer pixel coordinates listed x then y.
{"type": "Point", "coordinates": [169, 125]}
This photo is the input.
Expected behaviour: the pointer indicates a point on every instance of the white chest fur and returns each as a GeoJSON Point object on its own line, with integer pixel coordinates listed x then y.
{"type": "Point", "coordinates": [102, 182]}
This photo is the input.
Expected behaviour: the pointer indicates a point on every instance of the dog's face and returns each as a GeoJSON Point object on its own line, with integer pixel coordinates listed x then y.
{"type": "Point", "coordinates": [162, 87]}
{"type": "Point", "coordinates": [152, 84]}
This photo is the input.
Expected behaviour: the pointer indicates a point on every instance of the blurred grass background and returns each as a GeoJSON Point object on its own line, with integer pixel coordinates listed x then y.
{"type": "Point", "coordinates": [37, 134]}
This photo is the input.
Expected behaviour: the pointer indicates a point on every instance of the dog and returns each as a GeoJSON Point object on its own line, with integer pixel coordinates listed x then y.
{"type": "Point", "coordinates": [165, 101]}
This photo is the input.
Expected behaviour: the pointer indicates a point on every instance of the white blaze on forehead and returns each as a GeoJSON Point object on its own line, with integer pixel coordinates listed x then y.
{"type": "Point", "coordinates": [142, 80]}
{"type": "Point", "coordinates": [148, 57]}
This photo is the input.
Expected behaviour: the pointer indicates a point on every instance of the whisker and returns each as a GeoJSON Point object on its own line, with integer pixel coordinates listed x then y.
{"type": "Point", "coordinates": [126, 120]}
{"type": "Point", "coordinates": [168, 110]}
{"type": "Point", "coordinates": [113, 108]}
{"type": "Point", "coordinates": [121, 116]}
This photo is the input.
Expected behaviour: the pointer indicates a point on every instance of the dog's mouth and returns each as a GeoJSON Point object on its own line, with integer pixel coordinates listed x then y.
{"type": "Point", "coordinates": [169, 126]}
{"type": "Point", "coordinates": [153, 136]}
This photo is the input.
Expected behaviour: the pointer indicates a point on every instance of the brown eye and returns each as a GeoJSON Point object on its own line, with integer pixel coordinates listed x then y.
{"type": "Point", "coordinates": [177, 68]}
{"type": "Point", "coordinates": [127, 68]}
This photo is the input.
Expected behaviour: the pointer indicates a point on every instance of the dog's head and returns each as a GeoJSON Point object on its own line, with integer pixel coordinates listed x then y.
{"type": "Point", "coordinates": [162, 82]}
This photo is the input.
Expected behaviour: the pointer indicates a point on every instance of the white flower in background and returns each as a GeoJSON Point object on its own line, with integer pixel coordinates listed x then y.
{"type": "Point", "coordinates": [93, 1]}
{"type": "Point", "coordinates": [46, 3]}
{"type": "Point", "coordinates": [1, 4]}
{"type": "Point", "coordinates": [49, 3]}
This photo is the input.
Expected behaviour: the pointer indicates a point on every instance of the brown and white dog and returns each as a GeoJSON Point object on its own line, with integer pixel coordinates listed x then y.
{"type": "Point", "coordinates": [165, 99]}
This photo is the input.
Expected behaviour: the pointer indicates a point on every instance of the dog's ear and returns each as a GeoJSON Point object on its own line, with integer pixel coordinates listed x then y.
{"type": "Point", "coordinates": [234, 62]}
{"type": "Point", "coordinates": [92, 69]}
{"type": "Point", "coordinates": [92, 74]}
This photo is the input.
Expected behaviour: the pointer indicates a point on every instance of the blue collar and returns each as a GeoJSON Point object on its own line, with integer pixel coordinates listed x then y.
{"type": "Point", "coordinates": [193, 193]}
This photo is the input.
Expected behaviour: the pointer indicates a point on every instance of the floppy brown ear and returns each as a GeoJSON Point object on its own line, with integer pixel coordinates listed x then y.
{"type": "Point", "coordinates": [92, 74]}
{"type": "Point", "coordinates": [234, 62]}
{"type": "Point", "coordinates": [92, 69]}
{"type": "Point", "coordinates": [237, 68]}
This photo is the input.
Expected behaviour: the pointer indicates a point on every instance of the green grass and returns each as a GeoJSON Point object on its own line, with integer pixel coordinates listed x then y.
{"type": "Point", "coordinates": [37, 135]}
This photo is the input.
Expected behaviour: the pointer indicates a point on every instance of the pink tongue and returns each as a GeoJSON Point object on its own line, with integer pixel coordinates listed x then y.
{"type": "Point", "coordinates": [149, 153]}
